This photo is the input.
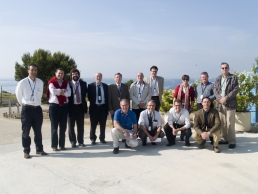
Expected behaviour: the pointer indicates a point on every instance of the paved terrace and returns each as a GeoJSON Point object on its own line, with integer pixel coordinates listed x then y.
{"type": "Point", "coordinates": [150, 169]}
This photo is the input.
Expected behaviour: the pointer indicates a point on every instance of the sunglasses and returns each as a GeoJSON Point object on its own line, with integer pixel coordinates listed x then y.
{"type": "Point", "coordinates": [185, 79]}
{"type": "Point", "coordinates": [224, 67]}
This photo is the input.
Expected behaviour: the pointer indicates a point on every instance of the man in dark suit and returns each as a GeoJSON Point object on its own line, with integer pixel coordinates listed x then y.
{"type": "Point", "coordinates": [98, 97]}
{"type": "Point", "coordinates": [116, 92]}
{"type": "Point", "coordinates": [206, 124]}
{"type": "Point", "coordinates": [77, 108]}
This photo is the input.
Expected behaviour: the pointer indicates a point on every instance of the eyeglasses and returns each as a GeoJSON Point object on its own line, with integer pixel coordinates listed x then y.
{"type": "Point", "coordinates": [185, 79]}
{"type": "Point", "coordinates": [224, 67]}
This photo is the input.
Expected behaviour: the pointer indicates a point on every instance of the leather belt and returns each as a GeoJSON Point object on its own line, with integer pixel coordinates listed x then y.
{"type": "Point", "coordinates": [30, 105]}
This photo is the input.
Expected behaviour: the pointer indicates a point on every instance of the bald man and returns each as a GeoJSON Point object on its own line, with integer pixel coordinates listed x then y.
{"type": "Point", "coordinates": [98, 97]}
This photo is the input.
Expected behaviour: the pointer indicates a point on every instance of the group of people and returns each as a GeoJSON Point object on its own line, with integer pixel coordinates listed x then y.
{"type": "Point", "coordinates": [67, 103]}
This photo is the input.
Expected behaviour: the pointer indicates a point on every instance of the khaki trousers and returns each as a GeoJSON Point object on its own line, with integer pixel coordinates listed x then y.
{"type": "Point", "coordinates": [116, 135]}
{"type": "Point", "coordinates": [215, 135]}
{"type": "Point", "coordinates": [227, 119]}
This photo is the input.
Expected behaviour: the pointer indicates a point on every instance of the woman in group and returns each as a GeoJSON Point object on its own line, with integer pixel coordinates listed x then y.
{"type": "Point", "coordinates": [185, 93]}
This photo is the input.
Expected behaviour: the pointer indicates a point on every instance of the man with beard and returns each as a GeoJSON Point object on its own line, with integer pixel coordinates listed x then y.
{"type": "Point", "coordinates": [58, 92]}
{"type": "Point", "coordinates": [98, 97]}
{"type": "Point", "coordinates": [77, 108]}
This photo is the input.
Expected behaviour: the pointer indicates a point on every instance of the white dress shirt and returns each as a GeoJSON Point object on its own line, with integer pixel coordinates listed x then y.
{"type": "Point", "coordinates": [24, 91]}
{"type": "Point", "coordinates": [144, 120]}
{"type": "Point", "coordinates": [102, 95]}
{"type": "Point", "coordinates": [181, 118]}
{"type": "Point", "coordinates": [74, 91]}
{"type": "Point", "coordinates": [154, 87]}
{"type": "Point", "coordinates": [54, 92]}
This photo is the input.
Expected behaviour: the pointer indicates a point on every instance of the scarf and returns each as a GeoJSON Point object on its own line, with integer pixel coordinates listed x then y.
{"type": "Point", "coordinates": [186, 95]}
{"type": "Point", "coordinates": [61, 99]}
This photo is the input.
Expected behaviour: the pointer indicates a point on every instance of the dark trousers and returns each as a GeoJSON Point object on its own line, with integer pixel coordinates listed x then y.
{"type": "Point", "coordinates": [31, 117]}
{"type": "Point", "coordinates": [98, 116]}
{"type": "Point", "coordinates": [137, 113]}
{"type": "Point", "coordinates": [58, 116]}
{"type": "Point", "coordinates": [153, 132]}
{"type": "Point", "coordinates": [187, 133]}
{"type": "Point", "coordinates": [76, 114]}
{"type": "Point", "coordinates": [156, 99]}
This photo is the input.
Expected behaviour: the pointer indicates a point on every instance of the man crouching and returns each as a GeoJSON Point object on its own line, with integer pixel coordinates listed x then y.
{"type": "Point", "coordinates": [151, 124]}
{"type": "Point", "coordinates": [207, 123]}
{"type": "Point", "coordinates": [125, 127]}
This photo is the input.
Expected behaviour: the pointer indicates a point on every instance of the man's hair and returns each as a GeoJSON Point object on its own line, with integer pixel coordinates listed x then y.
{"type": "Point", "coordinates": [178, 101]}
{"type": "Point", "coordinates": [224, 63]}
{"type": "Point", "coordinates": [206, 98]}
{"type": "Point", "coordinates": [185, 77]}
{"type": "Point", "coordinates": [60, 68]}
{"type": "Point", "coordinates": [118, 74]}
{"type": "Point", "coordinates": [32, 65]}
{"type": "Point", "coordinates": [74, 71]}
{"type": "Point", "coordinates": [153, 101]}
{"type": "Point", "coordinates": [124, 100]}
{"type": "Point", "coordinates": [154, 67]}
{"type": "Point", "coordinates": [204, 73]}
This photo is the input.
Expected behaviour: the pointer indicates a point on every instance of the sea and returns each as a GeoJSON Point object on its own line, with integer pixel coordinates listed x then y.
{"type": "Point", "coordinates": [9, 85]}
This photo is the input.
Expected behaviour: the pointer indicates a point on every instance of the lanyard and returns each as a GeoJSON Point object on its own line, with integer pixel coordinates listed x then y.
{"type": "Point", "coordinates": [178, 118]}
{"type": "Point", "coordinates": [32, 90]}
{"type": "Point", "coordinates": [204, 88]}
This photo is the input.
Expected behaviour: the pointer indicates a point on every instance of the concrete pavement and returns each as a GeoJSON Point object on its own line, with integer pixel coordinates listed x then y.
{"type": "Point", "coordinates": [150, 169]}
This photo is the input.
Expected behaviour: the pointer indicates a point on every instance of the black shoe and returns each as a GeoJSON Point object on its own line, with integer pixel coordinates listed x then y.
{"type": "Point", "coordinates": [223, 142]}
{"type": "Point", "coordinates": [182, 138]}
{"type": "Point", "coordinates": [202, 145]}
{"type": "Point", "coordinates": [42, 153]}
{"type": "Point", "coordinates": [82, 145]}
{"type": "Point", "coordinates": [153, 143]}
{"type": "Point", "coordinates": [27, 156]}
{"type": "Point", "coordinates": [116, 150]}
{"type": "Point", "coordinates": [74, 145]}
{"type": "Point", "coordinates": [211, 138]}
{"type": "Point", "coordinates": [216, 149]}
{"type": "Point", "coordinates": [232, 146]}
{"type": "Point", "coordinates": [55, 149]}
{"type": "Point", "coordinates": [103, 141]}
{"type": "Point", "coordinates": [93, 142]}
{"type": "Point", "coordinates": [170, 144]}
{"type": "Point", "coordinates": [143, 142]}
{"type": "Point", "coordinates": [187, 143]}
{"type": "Point", "coordinates": [123, 140]}
{"type": "Point", "coordinates": [62, 148]}
{"type": "Point", "coordinates": [127, 146]}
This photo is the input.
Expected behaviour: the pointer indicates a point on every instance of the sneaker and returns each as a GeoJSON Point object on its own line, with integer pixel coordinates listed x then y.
{"type": "Point", "coordinates": [216, 149]}
{"type": "Point", "coordinates": [116, 150]}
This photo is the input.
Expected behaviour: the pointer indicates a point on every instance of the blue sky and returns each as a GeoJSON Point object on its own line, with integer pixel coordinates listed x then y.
{"type": "Point", "coordinates": [130, 36]}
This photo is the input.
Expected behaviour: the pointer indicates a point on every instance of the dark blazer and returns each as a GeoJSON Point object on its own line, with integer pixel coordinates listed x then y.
{"type": "Point", "coordinates": [113, 96]}
{"type": "Point", "coordinates": [84, 91]}
{"type": "Point", "coordinates": [213, 121]}
{"type": "Point", "coordinates": [92, 96]}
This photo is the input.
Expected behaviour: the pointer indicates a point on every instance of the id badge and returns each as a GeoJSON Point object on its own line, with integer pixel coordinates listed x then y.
{"type": "Point", "coordinates": [154, 91]}
{"type": "Point", "coordinates": [149, 129]}
{"type": "Point", "coordinates": [74, 96]}
{"type": "Point", "coordinates": [99, 97]}
{"type": "Point", "coordinates": [32, 98]}
{"type": "Point", "coordinates": [201, 97]}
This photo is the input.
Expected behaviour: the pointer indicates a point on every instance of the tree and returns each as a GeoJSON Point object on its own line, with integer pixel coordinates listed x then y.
{"type": "Point", "coordinates": [47, 65]}
{"type": "Point", "coordinates": [129, 82]}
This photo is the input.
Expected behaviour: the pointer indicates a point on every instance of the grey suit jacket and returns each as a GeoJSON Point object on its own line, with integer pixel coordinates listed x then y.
{"type": "Point", "coordinates": [113, 96]}
{"type": "Point", "coordinates": [160, 84]}
{"type": "Point", "coordinates": [146, 94]}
